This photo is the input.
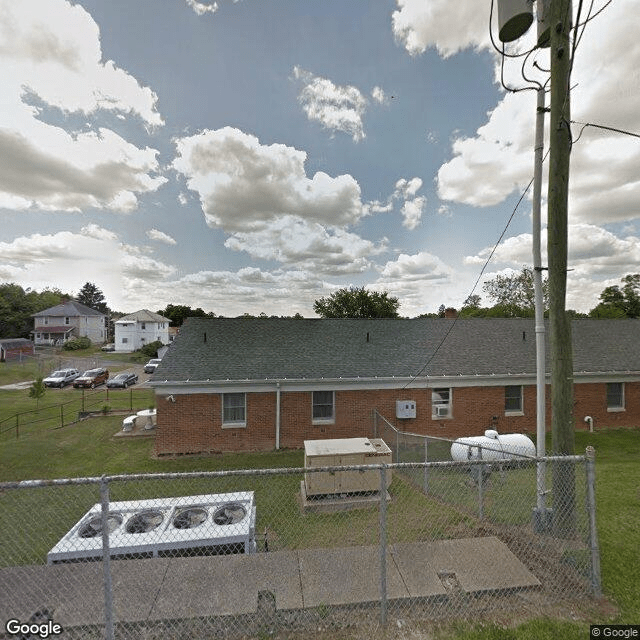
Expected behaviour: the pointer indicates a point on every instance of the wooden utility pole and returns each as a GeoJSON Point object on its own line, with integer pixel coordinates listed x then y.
{"type": "Point", "coordinates": [562, 424]}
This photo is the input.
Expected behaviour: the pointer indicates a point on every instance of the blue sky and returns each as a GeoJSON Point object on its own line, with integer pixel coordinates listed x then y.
{"type": "Point", "coordinates": [245, 156]}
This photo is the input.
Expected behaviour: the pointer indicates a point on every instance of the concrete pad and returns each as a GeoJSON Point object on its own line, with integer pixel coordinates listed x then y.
{"type": "Point", "coordinates": [72, 592]}
{"type": "Point", "coordinates": [227, 585]}
{"type": "Point", "coordinates": [346, 576]}
{"type": "Point", "coordinates": [417, 566]}
{"type": "Point", "coordinates": [480, 564]}
{"type": "Point", "coordinates": [136, 585]}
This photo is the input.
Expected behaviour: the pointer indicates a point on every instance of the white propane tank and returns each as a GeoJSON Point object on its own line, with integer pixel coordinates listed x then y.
{"type": "Point", "coordinates": [492, 446]}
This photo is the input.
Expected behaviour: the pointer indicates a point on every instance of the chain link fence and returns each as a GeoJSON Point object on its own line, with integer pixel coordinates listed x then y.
{"type": "Point", "coordinates": [234, 554]}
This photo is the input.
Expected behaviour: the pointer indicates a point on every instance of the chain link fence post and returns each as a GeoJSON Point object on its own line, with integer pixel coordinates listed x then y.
{"type": "Point", "coordinates": [590, 466]}
{"type": "Point", "coordinates": [383, 544]}
{"type": "Point", "coordinates": [106, 559]}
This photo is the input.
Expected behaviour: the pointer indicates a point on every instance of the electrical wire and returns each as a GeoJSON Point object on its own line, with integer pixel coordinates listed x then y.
{"type": "Point", "coordinates": [602, 126]}
{"type": "Point", "coordinates": [475, 286]}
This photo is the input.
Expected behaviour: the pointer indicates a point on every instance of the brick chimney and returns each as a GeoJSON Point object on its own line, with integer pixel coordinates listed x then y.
{"type": "Point", "coordinates": [450, 312]}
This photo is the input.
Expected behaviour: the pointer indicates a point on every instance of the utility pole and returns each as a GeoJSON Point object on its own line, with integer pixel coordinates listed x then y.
{"type": "Point", "coordinates": [562, 427]}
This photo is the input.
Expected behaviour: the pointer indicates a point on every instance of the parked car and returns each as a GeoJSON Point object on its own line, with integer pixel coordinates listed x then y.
{"type": "Point", "coordinates": [122, 380]}
{"type": "Point", "coordinates": [108, 347]}
{"type": "Point", "coordinates": [152, 365]}
{"type": "Point", "coordinates": [61, 378]}
{"type": "Point", "coordinates": [92, 378]}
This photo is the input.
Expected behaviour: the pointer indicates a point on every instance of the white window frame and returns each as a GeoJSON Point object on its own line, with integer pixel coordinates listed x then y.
{"type": "Point", "coordinates": [437, 401]}
{"type": "Point", "coordinates": [615, 407]}
{"type": "Point", "coordinates": [512, 411]}
{"type": "Point", "coordinates": [316, 402]}
{"type": "Point", "coordinates": [230, 422]}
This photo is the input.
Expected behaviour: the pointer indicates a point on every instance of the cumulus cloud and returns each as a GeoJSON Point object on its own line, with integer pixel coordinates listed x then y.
{"type": "Point", "coordinates": [235, 174]}
{"type": "Point", "coordinates": [412, 206]}
{"type": "Point", "coordinates": [498, 159]}
{"type": "Point", "coordinates": [379, 95]}
{"type": "Point", "coordinates": [304, 245]}
{"type": "Point", "coordinates": [160, 236]}
{"type": "Point", "coordinates": [449, 27]}
{"type": "Point", "coordinates": [50, 55]}
{"type": "Point", "coordinates": [67, 259]}
{"type": "Point", "coordinates": [337, 108]}
{"type": "Point", "coordinates": [201, 8]}
{"type": "Point", "coordinates": [262, 197]}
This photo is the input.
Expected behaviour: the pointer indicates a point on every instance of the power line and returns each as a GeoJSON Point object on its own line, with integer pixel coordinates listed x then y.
{"type": "Point", "coordinates": [484, 267]}
{"type": "Point", "coordinates": [602, 126]}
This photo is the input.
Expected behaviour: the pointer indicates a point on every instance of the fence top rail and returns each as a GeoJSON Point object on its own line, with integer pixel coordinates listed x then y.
{"type": "Point", "coordinates": [475, 445]}
{"type": "Point", "coordinates": [23, 484]}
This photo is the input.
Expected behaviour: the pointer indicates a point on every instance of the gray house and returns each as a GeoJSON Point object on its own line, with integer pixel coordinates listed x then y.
{"type": "Point", "coordinates": [70, 319]}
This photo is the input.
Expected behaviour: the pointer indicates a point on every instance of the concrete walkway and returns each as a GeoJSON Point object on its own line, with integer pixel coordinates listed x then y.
{"type": "Point", "coordinates": [176, 588]}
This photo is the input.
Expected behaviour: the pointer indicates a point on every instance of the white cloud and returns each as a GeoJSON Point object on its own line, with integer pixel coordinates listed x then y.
{"type": "Point", "coordinates": [309, 246]}
{"type": "Point", "coordinates": [447, 26]}
{"type": "Point", "coordinates": [160, 236]}
{"type": "Point", "coordinates": [412, 212]}
{"type": "Point", "coordinates": [379, 95]}
{"type": "Point", "coordinates": [286, 216]}
{"type": "Point", "coordinates": [50, 55]}
{"type": "Point", "coordinates": [67, 260]}
{"type": "Point", "coordinates": [201, 8]}
{"type": "Point", "coordinates": [604, 186]}
{"type": "Point", "coordinates": [421, 282]}
{"type": "Point", "coordinates": [337, 108]}
{"type": "Point", "coordinates": [233, 172]}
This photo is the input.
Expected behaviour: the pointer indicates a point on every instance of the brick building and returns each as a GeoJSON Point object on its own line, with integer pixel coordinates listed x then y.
{"type": "Point", "coordinates": [263, 383]}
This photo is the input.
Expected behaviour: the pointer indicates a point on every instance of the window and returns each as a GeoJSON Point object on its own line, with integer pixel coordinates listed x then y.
{"type": "Point", "coordinates": [46, 320]}
{"type": "Point", "coordinates": [323, 406]}
{"type": "Point", "coordinates": [125, 340]}
{"type": "Point", "coordinates": [513, 399]}
{"type": "Point", "coordinates": [441, 403]}
{"type": "Point", "coordinates": [67, 321]}
{"type": "Point", "coordinates": [615, 396]}
{"type": "Point", "coordinates": [143, 326]}
{"type": "Point", "coordinates": [234, 409]}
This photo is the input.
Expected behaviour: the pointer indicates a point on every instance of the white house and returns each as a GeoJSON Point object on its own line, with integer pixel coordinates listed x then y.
{"type": "Point", "coordinates": [135, 330]}
{"type": "Point", "coordinates": [70, 319]}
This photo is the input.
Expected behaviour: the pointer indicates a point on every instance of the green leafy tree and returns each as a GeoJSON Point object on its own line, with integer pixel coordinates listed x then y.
{"type": "Point", "coordinates": [92, 297]}
{"type": "Point", "coordinates": [178, 313]}
{"type": "Point", "coordinates": [151, 349]}
{"type": "Point", "coordinates": [357, 303]}
{"type": "Point", "coordinates": [616, 302]}
{"type": "Point", "coordinates": [37, 390]}
{"type": "Point", "coordinates": [17, 305]}
{"type": "Point", "coordinates": [513, 295]}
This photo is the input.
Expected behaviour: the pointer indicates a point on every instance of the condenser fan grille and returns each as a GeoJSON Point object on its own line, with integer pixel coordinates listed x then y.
{"type": "Point", "coordinates": [144, 522]}
{"type": "Point", "coordinates": [93, 527]}
{"type": "Point", "coordinates": [189, 518]}
{"type": "Point", "coordinates": [229, 514]}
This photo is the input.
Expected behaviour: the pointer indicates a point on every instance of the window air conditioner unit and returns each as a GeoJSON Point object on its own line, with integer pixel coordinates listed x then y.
{"type": "Point", "coordinates": [442, 412]}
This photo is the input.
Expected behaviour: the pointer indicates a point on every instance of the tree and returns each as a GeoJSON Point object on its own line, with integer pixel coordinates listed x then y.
{"type": "Point", "coordinates": [357, 303]}
{"type": "Point", "coordinates": [37, 390]}
{"type": "Point", "coordinates": [17, 306]}
{"type": "Point", "coordinates": [514, 294]}
{"type": "Point", "coordinates": [92, 297]}
{"type": "Point", "coordinates": [616, 302]}
{"type": "Point", "coordinates": [178, 313]}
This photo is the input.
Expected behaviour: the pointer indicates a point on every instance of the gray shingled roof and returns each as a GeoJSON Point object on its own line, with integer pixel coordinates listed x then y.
{"type": "Point", "coordinates": [70, 308]}
{"type": "Point", "coordinates": [144, 315]}
{"type": "Point", "coordinates": [265, 348]}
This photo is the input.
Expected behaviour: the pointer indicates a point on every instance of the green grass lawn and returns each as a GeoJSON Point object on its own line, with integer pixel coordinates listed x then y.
{"type": "Point", "coordinates": [90, 448]}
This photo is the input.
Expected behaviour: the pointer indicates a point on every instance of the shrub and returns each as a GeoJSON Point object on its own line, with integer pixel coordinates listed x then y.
{"type": "Point", "coordinates": [151, 350]}
{"type": "Point", "coordinates": [77, 343]}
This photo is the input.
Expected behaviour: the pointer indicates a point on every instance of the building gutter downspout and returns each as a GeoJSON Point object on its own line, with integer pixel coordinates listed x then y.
{"type": "Point", "coordinates": [277, 415]}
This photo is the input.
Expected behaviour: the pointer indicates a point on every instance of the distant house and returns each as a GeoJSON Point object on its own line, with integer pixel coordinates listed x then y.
{"type": "Point", "coordinates": [70, 319]}
{"type": "Point", "coordinates": [15, 349]}
{"type": "Point", "coordinates": [135, 330]}
{"type": "Point", "coordinates": [262, 383]}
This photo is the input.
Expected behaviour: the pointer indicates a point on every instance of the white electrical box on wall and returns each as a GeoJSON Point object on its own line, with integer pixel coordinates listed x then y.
{"type": "Point", "coordinates": [405, 409]}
